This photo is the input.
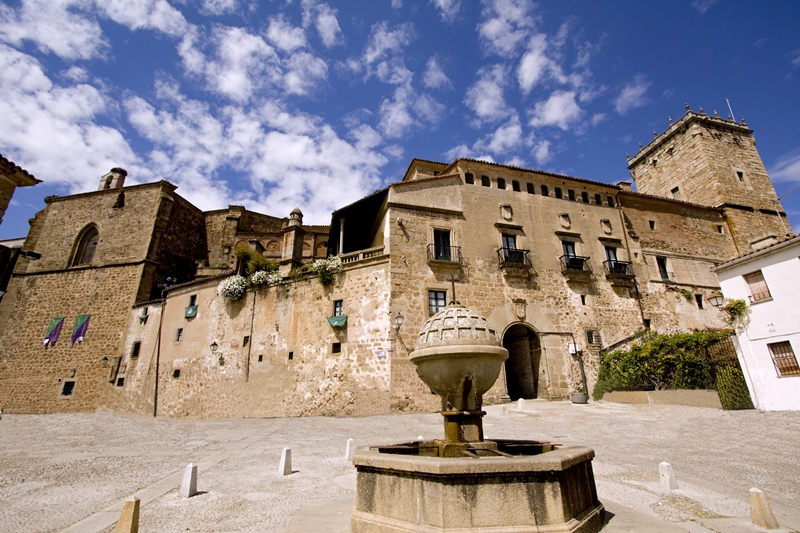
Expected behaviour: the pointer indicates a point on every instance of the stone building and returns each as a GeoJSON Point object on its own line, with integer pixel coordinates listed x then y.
{"type": "Point", "coordinates": [11, 177]}
{"type": "Point", "coordinates": [562, 267]}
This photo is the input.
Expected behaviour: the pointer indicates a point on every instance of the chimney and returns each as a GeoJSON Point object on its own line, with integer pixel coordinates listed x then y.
{"type": "Point", "coordinates": [625, 186]}
{"type": "Point", "coordinates": [113, 180]}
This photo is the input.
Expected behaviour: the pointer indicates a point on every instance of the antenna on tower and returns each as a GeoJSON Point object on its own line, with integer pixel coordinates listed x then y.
{"type": "Point", "coordinates": [730, 109]}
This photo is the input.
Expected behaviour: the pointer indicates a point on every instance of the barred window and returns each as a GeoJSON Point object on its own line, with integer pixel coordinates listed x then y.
{"type": "Point", "coordinates": [437, 300]}
{"type": "Point", "coordinates": [784, 359]}
{"type": "Point", "coordinates": [338, 307]}
{"type": "Point", "coordinates": [137, 345]}
{"type": "Point", "coordinates": [758, 287]}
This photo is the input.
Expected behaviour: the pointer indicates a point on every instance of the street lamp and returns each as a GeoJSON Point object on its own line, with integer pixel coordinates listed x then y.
{"type": "Point", "coordinates": [214, 346]}
{"type": "Point", "coordinates": [398, 320]}
{"type": "Point", "coordinates": [716, 299]}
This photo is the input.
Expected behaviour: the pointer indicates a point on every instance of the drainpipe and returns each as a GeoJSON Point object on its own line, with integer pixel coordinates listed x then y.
{"type": "Point", "coordinates": [250, 344]}
{"type": "Point", "coordinates": [158, 354]}
{"type": "Point", "coordinates": [577, 353]}
{"type": "Point", "coordinates": [628, 247]}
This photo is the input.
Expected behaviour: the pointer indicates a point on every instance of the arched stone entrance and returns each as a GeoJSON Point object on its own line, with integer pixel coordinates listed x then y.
{"type": "Point", "coordinates": [522, 365]}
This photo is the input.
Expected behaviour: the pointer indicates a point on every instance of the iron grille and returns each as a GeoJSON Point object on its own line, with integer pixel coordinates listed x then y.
{"type": "Point", "coordinates": [574, 263]}
{"type": "Point", "coordinates": [450, 254]}
{"type": "Point", "coordinates": [618, 268]}
{"type": "Point", "coordinates": [513, 257]}
{"type": "Point", "coordinates": [784, 359]}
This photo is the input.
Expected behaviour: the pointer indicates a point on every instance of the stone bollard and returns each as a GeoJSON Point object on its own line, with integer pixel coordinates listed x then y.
{"type": "Point", "coordinates": [760, 510]}
{"type": "Point", "coordinates": [189, 483]}
{"type": "Point", "coordinates": [285, 468]}
{"type": "Point", "coordinates": [667, 476]}
{"type": "Point", "coordinates": [521, 405]}
{"type": "Point", "coordinates": [350, 450]}
{"type": "Point", "coordinates": [129, 517]}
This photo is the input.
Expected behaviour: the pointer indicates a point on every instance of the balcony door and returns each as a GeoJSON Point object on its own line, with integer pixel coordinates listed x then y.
{"type": "Point", "coordinates": [441, 244]}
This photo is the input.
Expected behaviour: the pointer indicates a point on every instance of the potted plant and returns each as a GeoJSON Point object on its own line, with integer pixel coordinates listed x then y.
{"type": "Point", "coordinates": [579, 396]}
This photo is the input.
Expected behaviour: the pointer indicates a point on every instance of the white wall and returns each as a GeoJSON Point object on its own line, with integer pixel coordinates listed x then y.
{"type": "Point", "coordinates": [770, 321]}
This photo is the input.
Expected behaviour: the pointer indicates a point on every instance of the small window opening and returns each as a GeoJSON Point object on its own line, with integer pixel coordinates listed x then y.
{"type": "Point", "coordinates": [571, 195]}
{"type": "Point", "coordinates": [176, 373]}
{"type": "Point", "coordinates": [260, 358]}
{"type": "Point", "coordinates": [531, 189]}
{"type": "Point", "coordinates": [699, 299]}
{"type": "Point", "coordinates": [246, 341]}
{"type": "Point", "coordinates": [652, 224]}
{"type": "Point", "coordinates": [598, 199]}
{"type": "Point", "coordinates": [661, 262]}
{"type": "Point", "coordinates": [67, 388]}
{"type": "Point", "coordinates": [558, 193]}
{"type": "Point", "coordinates": [469, 178]}
{"type": "Point", "coordinates": [515, 186]}
{"type": "Point", "coordinates": [144, 311]}
{"type": "Point", "coordinates": [655, 162]}
{"type": "Point", "coordinates": [437, 300]}
{"type": "Point", "coordinates": [740, 175]}
{"type": "Point", "coordinates": [436, 172]}
{"type": "Point", "coordinates": [646, 323]}
{"type": "Point", "coordinates": [179, 335]}
{"type": "Point", "coordinates": [485, 181]}
{"type": "Point", "coordinates": [501, 183]}
{"type": "Point", "coordinates": [719, 229]}
{"type": "Point", "coordinates": [137, 345]}
{"type": "Point", "coordinates": [192, 300]}
{"type": "Point", "coordinates": [291, 356]}
{"type": "Point", "coordinates": [610, 200]}
{"type": "Point", "coordinates": [583, 299]}
{"type": "Point", "coordinates": [120, 382]}
{"type": "Point", "coordinates": [590, 337]}
{"type": "Point", "coordinates": [545, 191]}
{"type": "Point", "coordinates": [676, 193]}
{"type": "Point", "coordinates": [585, 197]}
{"type": "Point", "coordinates": [336, 347]}
{"type": "Point", "coordinates": [338, 308]}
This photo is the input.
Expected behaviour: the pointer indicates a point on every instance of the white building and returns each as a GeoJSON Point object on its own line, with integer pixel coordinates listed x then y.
{"type": "Point", "coordinates": [769, 281]}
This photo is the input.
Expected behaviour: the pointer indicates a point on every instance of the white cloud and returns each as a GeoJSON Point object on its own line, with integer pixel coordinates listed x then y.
{"type": "Point", "coordinates": [796, 58]}
{"type": "Point", "coordinates": [145, 14]}
{"type": "Point", "coordinates": [76, 74]}
{"type": "Point", "coordinates": [397, 4]}
{"type": "Point", "coordinates": [542, 152]}
{"type": "Point", "coordinates": [632, 95]}
{"type": "Point", "coordinates": [218, 7]}
{"type": "Point", "coordinates": [285, 36]}
{"type": "Point", "coordinates": [434, 77]}
{"type": "Point", "coordinates": [382, 41]}
{"type": "Point", "coordinates": [457, 152]}
{"type": "Point", "coordinates": [51, 128]}
{"type": "Point", "coordinates": [787, 168]}
{"type": "Point", "coordinates": [703, 5]}
{"type": "Point", "coordinates": [406, 110]}
{"type": "Point", "coordinates": [393, 71]}
{"type": "Point", "coordinates": [597, 118]}
{"type": "Point", "coordinates": [485, 97]}
{"type": "Point", "coordinates": [559, 110]}
{"type": "Point", "coordinates": [325, 21]}
{"type": "Point", "coordinates": [534, 64]}
{"type": "Point", "coordinates": [504, 139]}
{"type": "Point", "coordinates": [506, 25]}
{"type": "Point", "coordinates": [448, 9]}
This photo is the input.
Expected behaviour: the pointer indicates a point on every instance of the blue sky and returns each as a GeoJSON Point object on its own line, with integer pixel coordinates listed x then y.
{"type": "Point", "coordinates": [278, 104]}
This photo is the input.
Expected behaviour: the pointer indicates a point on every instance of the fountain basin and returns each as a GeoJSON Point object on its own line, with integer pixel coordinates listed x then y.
{"type": "Point", "coordinates": [550, 492]}
{"type": "Point", "coordinates": [445, 368]}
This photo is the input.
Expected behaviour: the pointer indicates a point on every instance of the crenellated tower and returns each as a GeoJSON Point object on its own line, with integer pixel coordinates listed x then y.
{"type": "Point", "coordinates": [713, 161]}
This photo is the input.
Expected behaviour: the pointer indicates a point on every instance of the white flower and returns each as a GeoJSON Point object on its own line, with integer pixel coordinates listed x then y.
{"type": "Point", "coordinates": [232, 288]}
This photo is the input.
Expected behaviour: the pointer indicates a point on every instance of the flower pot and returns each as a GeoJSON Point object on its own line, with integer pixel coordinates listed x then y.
{"type": "Point", "coordinates": [579, 397]}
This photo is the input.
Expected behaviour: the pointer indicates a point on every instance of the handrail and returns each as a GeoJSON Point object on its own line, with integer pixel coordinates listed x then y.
{"type": "Point", "coordinates": [351, 257]}
{"type": "Point", "coordinates": [575, 263]}
{"type": "Point", "coordinates": [451, 254]}
{"type": "Point", "coordinates": [618, 268]}
{"type": "Point", "coordinates": [513, 257]}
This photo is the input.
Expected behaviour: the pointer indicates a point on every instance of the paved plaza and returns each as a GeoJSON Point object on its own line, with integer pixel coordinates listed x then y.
{"type": "Point", "coordinates": [72, 472]}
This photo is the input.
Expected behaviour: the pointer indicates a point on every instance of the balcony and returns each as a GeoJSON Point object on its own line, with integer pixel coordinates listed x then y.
{"type": "Point", "coordinates": [575, 266]}
{"type": "Point", "coordinates": [444, 255]}
{"type": "Point", "coordinates": [361, 255]}
{"type": "Point", "coordinates": [666, 277]}
{"type": "Point", "coordinates": [514, 262]}
{"type": "Point", "coordinates": [619, 272]}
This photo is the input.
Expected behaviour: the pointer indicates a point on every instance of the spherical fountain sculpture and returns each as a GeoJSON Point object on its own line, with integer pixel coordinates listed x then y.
{"type": "Point", "coordinates": [464, 482]}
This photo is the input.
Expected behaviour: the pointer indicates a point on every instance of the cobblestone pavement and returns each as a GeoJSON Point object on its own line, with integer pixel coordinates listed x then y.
{"type": "Point", "coordinates": [73, 471]}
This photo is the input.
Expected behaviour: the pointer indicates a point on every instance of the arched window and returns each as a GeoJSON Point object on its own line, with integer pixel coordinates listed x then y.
{"type": "Point", "coordinates": [86, 247]}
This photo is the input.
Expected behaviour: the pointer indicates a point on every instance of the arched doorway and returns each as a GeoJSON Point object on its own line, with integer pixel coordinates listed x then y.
{"type": "Point", "coordinates": [522, 365]}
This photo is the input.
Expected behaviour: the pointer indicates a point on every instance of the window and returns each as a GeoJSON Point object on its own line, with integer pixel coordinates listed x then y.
{"type": "Point", "coordinates": [590, 337]}
{"type": "Point", "coordinates": [558, 193]}
{"type": "Point", "coordinates": [441, 245]}
{"type": "Point", "coordinates": [67, 388]}
{"type": "Point", "coordinates": [501, 183]}
{"type": "Point", "coordinates": [338, 308]}
{"type": "Point", "coordinates": [583, 299]}
{"type": "Point", "coordinates": [179, 335]}
{"type": "Point", "coordinates": [613, 265]}
{"type": "Point", "coordinates": [469, 178]}
{"type": "Point", "coordinates": [598, 199]}
{"type": "Point", "coordinates": [531, 189]}
{"type": "Point", "coordinates": [652, 224]}
{"type": "Point", "coordinates": [261, 358]}
{"type": "Point", "coordinates": [585, 197]}
{"type": "Point", "coordinates": [485, 181]}
{"type": "Point", "coordinates": [193, 300]}
{"type": "Point", "coordinates": [137, 345]}
{"type": "Point", "coordinates": [740, 175]}
{"type": "Point", "coordinates": [515, 186]}
{"type": "Point", "coordinates": [784, 359]}
{"type": "Point", "coordinates": [545, 191]}
{"type": "Point", "coordinates": [719, 229]}
{"type": "Point", "coordinates": [176, 373]}
{"type": "Point", "coordinates": [699, 299]}
{"type": "Point", "coordinates": [661, 262]}
{"type": "Point", "coordinates": [437, 300]}
{"type": "Point", "coordinates": [646, 323]}
{"type": "Point", "coordinates": [336, 347]}
{"type": "Point", "coordinates": [86, 247]}
{"type": "Point", "coordinates": [569, 248]}
{"type": "Point", "coordinates": [610, 200]}
{"type": "Point", "coordinates": [120, 382]}
{"type": "Point", "coordinates": [245, 341]}
{"type": "Point", "coordinates": [676, 193]}
{"type": "Point", "coordinates": [758, 287]}
{"type": "Point", "coordinates": [571, 195]}
{"type": "Point", "coordinates": [291, 356]}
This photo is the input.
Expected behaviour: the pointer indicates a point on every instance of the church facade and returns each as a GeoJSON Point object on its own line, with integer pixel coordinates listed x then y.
{"type": "Point", "coordinates": [122, 310]}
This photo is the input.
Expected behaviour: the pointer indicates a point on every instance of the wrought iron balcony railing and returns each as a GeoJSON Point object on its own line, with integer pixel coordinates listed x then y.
{"type": "Point", "coordinates": [618, 268]}
{"type": "Point", "coordinates": [575, 263]}
{"type": "Point", "coordinates": [513, 257]}
{"type": "Point", "coordinates": [667, 277]}
{"type": "Point", "coordinates": [447, 254]}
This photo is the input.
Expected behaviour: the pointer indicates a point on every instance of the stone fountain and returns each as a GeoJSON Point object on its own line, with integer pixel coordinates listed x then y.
{"type": "Point", "coordinates": [463, 482]}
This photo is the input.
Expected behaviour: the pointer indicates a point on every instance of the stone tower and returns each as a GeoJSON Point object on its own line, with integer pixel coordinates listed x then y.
{"type": "Point", "coordinates": [712, 161]}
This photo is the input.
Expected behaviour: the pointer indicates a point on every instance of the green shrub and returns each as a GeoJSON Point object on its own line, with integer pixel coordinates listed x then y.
{"type": "Point", "coordinates": [255, 262]}
{"type": "Point", "coordinates": [664, 362]}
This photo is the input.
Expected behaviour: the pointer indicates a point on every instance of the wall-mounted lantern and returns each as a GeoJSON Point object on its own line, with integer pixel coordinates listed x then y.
{"type": "Point", "coordinates": [104, 360]}
{"type": "Point", "coordinates": [716, 299]}
{"type": "Point", "coordinates": [398, 320]}
{"type": "Point", "coordinates": [214, 346]}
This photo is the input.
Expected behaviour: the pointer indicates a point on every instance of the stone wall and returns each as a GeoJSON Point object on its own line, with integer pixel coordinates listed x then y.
{"type": "Point", "coordinates": [11, 177]}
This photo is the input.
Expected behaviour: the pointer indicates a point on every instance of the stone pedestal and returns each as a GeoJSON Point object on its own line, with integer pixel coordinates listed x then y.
{"type": "Point", "coordinates": [551, 492]}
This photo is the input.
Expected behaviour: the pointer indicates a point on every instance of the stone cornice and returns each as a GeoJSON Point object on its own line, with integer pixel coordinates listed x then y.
{"type": "Point", "coordinates": [156, 184]}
